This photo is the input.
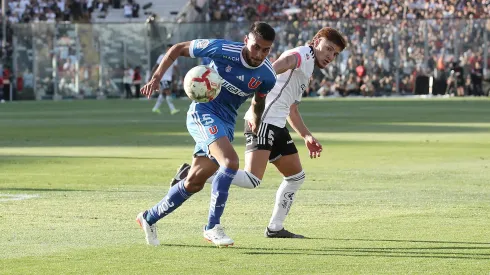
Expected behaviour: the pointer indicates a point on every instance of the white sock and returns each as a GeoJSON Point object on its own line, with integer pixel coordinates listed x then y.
{"type": "Point", "coordinates": [243, 179]}
{"type": "Point", "coordinates": [169, 102]}
{"type": "Point", "coordinates": [284, 199]}
{"type": "Point", "coordinates": [159, 102]}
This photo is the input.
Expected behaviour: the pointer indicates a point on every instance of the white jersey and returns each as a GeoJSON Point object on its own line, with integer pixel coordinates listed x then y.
{"type": "Point", "coordinates": [289, 88]}
{"type": "Point", "coordinates": [167, 76]}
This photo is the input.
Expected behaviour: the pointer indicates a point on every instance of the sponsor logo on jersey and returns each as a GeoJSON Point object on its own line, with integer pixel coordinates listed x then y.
{"type": "Point", "coordinates": [232, 58]}
{"type": "Point", "coordinates": [307, 57]}
{"type": "Point", "coordinates": [233, 89]}
{"type": "Point", "coordinates": [241, 77]}
{"type": "Point", "coordinates": [201, 44]}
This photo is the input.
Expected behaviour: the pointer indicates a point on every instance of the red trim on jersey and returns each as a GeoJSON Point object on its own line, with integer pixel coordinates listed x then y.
{"type": "Point", "coordinates": [260, 94]}
{"type": "Point", "coordinates": [299, 59]}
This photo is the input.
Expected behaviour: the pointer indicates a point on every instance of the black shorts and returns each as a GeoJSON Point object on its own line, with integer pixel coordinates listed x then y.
{"type": "Point", "coordinates": [271, 138]}
{"type": "Point", "coordinates": [165, 85]}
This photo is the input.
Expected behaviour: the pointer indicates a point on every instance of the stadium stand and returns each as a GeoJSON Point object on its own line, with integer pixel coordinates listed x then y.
{"type": "Point", "coordinates": [383, 35]}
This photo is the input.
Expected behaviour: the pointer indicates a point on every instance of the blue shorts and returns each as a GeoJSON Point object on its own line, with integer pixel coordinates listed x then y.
{"type": "Point", "coordinates": [206, 127]}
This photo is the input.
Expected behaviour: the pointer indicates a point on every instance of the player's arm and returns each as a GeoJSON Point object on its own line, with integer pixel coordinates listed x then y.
{"type": "Point", "coordinates": [257, 106]}
{"type": "Point", "coordinates": [285, 63]}
{"type": "Point", "coordinates": [180, 49]}
{"type": "Point", "coordinates": [297, 123]}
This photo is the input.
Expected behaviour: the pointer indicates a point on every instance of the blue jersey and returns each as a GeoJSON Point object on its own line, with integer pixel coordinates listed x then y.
{"type": "Point", "coordinates": [206, 61]}
{"type": "Point", "coordinates": [240, 80]}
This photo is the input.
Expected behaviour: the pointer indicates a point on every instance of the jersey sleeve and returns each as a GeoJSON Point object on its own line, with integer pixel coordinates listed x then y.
{"type": "Point", "coordinates": [303, 57]}
{"type": "Point", "coordinates": [205, 48]}
{"type": "Point", "coordinates": [269, 83]}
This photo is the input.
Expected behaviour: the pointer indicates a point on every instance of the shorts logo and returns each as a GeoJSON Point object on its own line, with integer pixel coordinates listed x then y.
{"type": "Point", "coordinates": [213, 130]}
{"type": "Point", "coordinates": [201, 44]}
{"type": "Point", "coordinates": [254, 83]}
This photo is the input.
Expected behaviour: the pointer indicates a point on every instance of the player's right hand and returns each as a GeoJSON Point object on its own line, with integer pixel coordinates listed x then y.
{"type": "Point", "coordinates": [152, 86]}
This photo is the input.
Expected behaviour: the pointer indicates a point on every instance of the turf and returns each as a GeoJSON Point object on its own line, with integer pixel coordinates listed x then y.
{"type": "Point", "coordinates": [403, 187]}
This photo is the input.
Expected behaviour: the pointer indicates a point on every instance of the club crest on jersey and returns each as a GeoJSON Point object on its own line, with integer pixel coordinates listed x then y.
{"type": "Point", "coordinates": [254, 83]}
{"type": "Point", "coordinates": [213, 130]}
{"type": "Point", "coordinates": [228, 69]}
{"type": "Point", "coordinates": [201, 44]}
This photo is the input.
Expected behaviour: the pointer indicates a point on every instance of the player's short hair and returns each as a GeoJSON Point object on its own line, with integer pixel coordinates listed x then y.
{"type": "Point", "coordinates": [333, 36]}
{"type": "Point", "coordinates": [263, 30]}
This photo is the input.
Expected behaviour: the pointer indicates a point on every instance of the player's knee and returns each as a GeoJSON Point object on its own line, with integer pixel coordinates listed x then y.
{"type": "Point", "coordinates": [296, 179]}
{"type": "Point", "coordinates": [231, 162]}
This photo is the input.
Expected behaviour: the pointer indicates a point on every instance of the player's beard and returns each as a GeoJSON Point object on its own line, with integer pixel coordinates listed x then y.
{"type": "Point", "coordinates": [250, 61]}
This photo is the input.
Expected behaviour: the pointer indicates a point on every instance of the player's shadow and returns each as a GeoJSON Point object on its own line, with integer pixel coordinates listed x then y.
{"type": "Point", "coordinates": [439, 252]}
{"type": "Point", "coordinates": [404, 241]}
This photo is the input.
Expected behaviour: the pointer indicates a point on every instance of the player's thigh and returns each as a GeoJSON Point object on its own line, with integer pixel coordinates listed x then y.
{"type": "Point", "coordinates": [256, 155]}
{"type": "Point", "coordinates": [222, 150]}
{"type": "Point", "coordinates": [201, 169]}
{"type": "Point", "coordinates": [213, 136]}
{"type": "Point", "coordinates": [284, 154]}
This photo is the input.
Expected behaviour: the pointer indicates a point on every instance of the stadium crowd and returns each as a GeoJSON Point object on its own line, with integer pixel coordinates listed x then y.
{"type": "Point", "coordinates": [380, 33]}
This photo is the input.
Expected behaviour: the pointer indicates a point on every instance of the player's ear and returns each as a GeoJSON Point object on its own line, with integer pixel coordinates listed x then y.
{"type": "Point", "coordinates": [316, 42]}
{"type": "Point", "coordinates": [245, 39]}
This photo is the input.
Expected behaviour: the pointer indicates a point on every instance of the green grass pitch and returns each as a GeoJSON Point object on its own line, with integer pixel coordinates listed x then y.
{"type": "Point", "coordinates": [403, 187]}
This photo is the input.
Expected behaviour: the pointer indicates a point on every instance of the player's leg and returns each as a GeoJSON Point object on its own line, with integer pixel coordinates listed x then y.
{"type": "Point", "coordinates": [257, 152]}
{"type": "Point", "coordinates": [289, 165]}
{"type": "Point", "coordinates": [200, 170]}
{"type": "Point", "coordinates": [168, 97]}
{"type": "Point", "coordinates": [156, 108]}
{"type": "Point", "coordinates": [225, 154]}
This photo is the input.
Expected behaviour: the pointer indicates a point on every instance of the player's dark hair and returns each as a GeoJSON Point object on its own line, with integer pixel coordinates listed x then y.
{"type": "Point", "coordinates": [263, 30]}
{"type": "Point", "coordinates": [333, 36]}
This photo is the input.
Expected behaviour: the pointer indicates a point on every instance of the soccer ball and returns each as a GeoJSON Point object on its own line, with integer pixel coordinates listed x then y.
{"type": "Point", "coordinates": [202, 83]}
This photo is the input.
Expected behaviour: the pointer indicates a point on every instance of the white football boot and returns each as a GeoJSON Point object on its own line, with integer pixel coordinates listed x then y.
{"type": "Point", "coordinates": [150, 230]}
{"type": "Point", "coordinates": [217, 236]}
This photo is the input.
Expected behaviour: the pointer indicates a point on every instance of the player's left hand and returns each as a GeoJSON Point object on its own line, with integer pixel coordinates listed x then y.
{"type": "Point", "coordinates": [314, 146]}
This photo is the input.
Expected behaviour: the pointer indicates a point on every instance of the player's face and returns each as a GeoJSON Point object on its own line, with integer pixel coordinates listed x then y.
{"type": "Point", "coordinates": [256, 49]}
{"type": "Point", "coordinates": [325, 52]}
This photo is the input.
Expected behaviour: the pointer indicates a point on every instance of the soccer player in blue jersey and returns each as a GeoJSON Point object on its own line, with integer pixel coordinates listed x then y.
{"type": "Point", "coordinates": [246, 71]}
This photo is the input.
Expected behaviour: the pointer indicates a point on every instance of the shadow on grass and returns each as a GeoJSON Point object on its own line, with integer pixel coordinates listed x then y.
{"type": "Point", "coordinates": [406, 241]}
{"type": "Point", "coordinates": [45, 189]}
{"type": "Point", "coordinates": [390, 252]}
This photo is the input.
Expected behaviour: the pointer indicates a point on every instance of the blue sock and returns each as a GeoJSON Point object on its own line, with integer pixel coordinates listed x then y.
{"type": "Point", "coordinates": [175, 197]}
{"type": "Point", "coordinates": [219, 195]}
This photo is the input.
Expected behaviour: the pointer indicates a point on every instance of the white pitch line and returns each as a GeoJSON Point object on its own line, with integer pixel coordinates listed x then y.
{"type": "Point", "coordinates": [16, 197]}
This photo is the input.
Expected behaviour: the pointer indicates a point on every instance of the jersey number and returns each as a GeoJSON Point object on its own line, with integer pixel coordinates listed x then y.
{"type": "Point", "coordinates": [270, 138]}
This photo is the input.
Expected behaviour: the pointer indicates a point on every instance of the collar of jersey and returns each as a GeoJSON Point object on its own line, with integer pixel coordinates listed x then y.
{"type": "Point", "coordinates": [245, 64]}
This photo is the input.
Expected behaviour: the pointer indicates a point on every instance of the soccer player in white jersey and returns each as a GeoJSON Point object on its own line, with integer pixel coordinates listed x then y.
{"type": "Point", "coordinates": [273, 143]}
{"type": "Point", "coordinates": [166, 86]}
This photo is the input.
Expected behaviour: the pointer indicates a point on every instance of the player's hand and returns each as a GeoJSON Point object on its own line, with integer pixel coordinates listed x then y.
{"type": "Point", "coordinates": [314, 146]}
{"type": "Point", "coordinates": [152, 86]}
{"type": "Point", "coordinates": [252, 126]}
